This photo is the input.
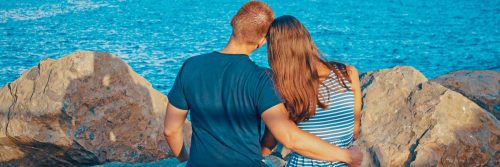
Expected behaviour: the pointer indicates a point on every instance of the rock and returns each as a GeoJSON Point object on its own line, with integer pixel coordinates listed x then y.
{"type": "Point", "coordinates": [408, 121]}
{"type": "Point", "coordinates": [86, 108]}
{"type": "Point", "coordinates": [482, 87]}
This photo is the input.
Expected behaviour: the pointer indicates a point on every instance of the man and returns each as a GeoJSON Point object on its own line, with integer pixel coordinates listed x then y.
{"type": "Point", "coordinates": [228, 95]}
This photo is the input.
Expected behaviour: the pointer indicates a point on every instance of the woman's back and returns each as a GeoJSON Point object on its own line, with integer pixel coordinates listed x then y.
{"type": "Point", "coordinates": [334, 124]}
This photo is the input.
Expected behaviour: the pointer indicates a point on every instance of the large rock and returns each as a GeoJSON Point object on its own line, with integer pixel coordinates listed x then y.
{"type": "Point", "coordinates": [482, 87]}
{"type": "Point", "coordinates": [83, 109]}
{"type": "Point", "coordinates": [408, 121]}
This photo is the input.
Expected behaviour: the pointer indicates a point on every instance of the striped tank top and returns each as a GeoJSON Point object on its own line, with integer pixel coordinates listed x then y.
{"type": "Point", "coordinates": [334, 124]}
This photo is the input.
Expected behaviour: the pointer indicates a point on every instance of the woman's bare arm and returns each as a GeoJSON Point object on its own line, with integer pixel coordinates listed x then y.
{"type": "Point", "coordinates": [356, 88]}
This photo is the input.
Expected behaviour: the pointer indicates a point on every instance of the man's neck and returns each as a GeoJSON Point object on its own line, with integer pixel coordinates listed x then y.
{"type": "Point", "coordinates": [235, 47]}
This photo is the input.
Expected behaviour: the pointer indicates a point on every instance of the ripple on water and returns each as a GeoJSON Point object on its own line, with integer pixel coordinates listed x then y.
{"type": "Point", "coordinates": [155, 37]}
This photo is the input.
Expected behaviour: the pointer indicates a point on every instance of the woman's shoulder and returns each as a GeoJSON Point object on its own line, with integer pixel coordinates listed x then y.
{"type": "Point", "coordinates": [341, 66]}
{"type": "Point", "coordinates": [352, 70]}
{"type": "Point", "coordinates": [347, 71]}
{"type": "Point", "coordinates": [353, 76]}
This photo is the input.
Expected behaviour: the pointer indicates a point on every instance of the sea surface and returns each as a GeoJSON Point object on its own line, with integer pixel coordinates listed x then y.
{"type": "Point", "coordinates": [156, 36]}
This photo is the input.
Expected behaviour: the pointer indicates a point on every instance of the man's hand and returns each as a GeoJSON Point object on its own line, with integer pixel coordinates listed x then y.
{"type": "Point", "coordinates": [356, 156]}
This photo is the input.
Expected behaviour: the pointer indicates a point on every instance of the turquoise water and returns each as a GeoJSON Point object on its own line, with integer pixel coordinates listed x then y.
{"type": "Point", "coordinates": [155, 37]}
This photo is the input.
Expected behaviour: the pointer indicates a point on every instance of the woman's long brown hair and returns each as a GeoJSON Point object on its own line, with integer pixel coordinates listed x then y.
{"type": "Point", "coordinates": [292, 55]}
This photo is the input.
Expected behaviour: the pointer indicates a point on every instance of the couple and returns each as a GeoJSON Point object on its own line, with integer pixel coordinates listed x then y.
{"type": "Point", "coordinates": [309, 105]}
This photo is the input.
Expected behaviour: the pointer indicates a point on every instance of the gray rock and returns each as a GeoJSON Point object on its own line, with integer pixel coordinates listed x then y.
{"type": "Point", "coordinates": [408, 121]}
{"type": "Point", "coordinates": [88, 108]}
{"type": "Point", "coordinates": [482, 87]}
{"type": "Point", "coordinates": [85, 108]}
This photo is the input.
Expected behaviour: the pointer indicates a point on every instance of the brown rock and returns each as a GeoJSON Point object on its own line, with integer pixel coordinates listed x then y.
{"type": "Point", "coordinates": [482, 87]}
{"type": "Point", "coordinates": [407, 121]}
{"type": "Point", "coordinates": [83, 109]}
{"type": "Point", "coordinates": [384, 96]}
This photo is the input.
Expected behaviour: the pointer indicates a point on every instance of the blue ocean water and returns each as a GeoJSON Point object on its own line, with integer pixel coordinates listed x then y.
{"type": "Point", "coordinates": [156, 36]}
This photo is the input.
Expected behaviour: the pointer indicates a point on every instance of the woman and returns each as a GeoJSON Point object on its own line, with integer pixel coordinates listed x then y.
{"type": "Point", "coordinates": [323, 98]}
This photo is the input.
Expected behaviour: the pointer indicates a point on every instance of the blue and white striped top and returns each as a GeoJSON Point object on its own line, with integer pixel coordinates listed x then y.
{"type": "Point", "coordinates": [334, 124]}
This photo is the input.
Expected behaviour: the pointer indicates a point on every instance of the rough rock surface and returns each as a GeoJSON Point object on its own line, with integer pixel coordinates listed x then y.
{"type": "Point", "coordinates": [85, 108]}
{"type": "Point", "coordinates": [408, 121]}
{"type": "Point", "coordinates": [482, 87]}
{"type": "Point", "coordinates": [89, 108]}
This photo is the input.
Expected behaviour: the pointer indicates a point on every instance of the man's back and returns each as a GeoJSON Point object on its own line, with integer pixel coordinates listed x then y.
{"type": "Point", "coordinates": [226, 94]}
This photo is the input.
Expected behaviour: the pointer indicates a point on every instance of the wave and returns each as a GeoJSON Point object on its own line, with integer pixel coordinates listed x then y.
{"type": "Point", "coordinates": [49, 10]}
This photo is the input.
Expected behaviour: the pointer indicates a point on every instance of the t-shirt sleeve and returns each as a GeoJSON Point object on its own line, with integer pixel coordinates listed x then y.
{"type": "Point", "coordinates": [176, 96]}
{"type": "Point", "coordinates": [268, 96]}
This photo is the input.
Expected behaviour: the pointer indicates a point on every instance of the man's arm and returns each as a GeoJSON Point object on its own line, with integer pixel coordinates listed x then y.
{"type": "Point", "coordinates": [356, 88]}
{"type": "Point", "coordinates": [304, 143]}
{"type": "Point", "coordinates": [173, 131]}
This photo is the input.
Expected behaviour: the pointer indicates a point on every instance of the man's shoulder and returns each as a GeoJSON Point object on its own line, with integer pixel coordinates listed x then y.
{"type": "Point", "coordinates": [261, 75]}
{"type": "Point", "coordinates": [265, 71]}
{"type": "Point", "coordinates": [196, 60]}
{"type": "Point", "coordinates": [198, 57]}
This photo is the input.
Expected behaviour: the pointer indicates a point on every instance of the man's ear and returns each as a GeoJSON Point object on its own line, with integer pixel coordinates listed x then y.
{"type": "Point", "coordinates": [232, 21]}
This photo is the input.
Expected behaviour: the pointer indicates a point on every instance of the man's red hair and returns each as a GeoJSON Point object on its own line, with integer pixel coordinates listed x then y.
{"type": "Point", "coordinates": [252, 22]}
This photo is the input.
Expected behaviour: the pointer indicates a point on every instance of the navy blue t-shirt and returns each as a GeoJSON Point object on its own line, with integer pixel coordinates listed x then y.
{"type": "Point", "coordinates": [226, 95]}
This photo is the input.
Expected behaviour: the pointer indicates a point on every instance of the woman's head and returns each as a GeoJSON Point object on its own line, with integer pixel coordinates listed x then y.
{"type": "Point", "coordinates": [292, 54]}
{"type": "Point", "coordinates": [293, 57]}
